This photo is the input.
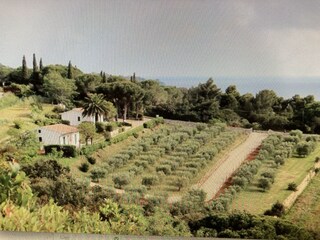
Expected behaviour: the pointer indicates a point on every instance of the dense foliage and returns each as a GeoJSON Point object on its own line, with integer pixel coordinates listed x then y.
{"type": "Point", "coordinates": [134, 98]}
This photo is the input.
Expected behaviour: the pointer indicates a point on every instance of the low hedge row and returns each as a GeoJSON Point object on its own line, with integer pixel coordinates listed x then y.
{"type": "Point", "coordinates": [68, 150]}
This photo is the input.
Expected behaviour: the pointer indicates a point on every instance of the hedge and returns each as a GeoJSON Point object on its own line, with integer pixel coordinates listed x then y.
{"type": "Point", "coordinates": [68, 150]}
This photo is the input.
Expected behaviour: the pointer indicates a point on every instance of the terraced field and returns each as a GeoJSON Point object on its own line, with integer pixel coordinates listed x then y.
{"type": "Point", "coordinates": [171, 154]}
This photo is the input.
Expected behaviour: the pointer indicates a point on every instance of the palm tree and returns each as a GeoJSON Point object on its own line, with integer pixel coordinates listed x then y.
{"type": "Point", "coordinates": [95, 105]}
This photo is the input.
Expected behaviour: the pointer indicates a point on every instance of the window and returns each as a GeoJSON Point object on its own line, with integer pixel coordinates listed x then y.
{"type": "Point", "coordinates": [64, 140]}
{"type": "Point", "coordinates": [39, 131]}
{"type": "Point", "coordinates": [78, 119]}
{"type": "Point", "coordinates": [40, 139]}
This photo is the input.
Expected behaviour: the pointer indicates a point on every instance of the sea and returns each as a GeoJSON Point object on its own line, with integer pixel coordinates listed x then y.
{"type": "Point", "coordinates": [285, 87]}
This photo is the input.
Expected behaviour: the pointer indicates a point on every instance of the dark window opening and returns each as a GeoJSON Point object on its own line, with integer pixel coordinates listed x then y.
{"type": "Point", "coordinates": [40, 139]}
{"type": "Point", "coordinates": [78, 119]}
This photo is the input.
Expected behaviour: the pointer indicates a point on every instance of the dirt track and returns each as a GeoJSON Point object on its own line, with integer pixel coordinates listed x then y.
{"type": "Point", "coordinates": [214, 180]}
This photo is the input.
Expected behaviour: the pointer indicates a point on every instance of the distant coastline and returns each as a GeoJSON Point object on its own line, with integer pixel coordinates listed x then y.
{"type": "Point", "coordinates": [285, 87]}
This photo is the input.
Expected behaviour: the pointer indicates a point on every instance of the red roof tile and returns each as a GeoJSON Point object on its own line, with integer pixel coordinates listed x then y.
{"type": "Point", "coordinates": [61, 128]}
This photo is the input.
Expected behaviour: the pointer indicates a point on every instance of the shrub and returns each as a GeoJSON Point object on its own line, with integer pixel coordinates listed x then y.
{"type": "Point", "coordinates": [279, 160]}
{"type": "Point", "coordinates": [164, 168]}
{"type": "Point", "coordinates": [269, 175]}
{"type": "Point", "coordinates": [296, 133]}
{"type": "Point", "coordinates": [149, 180]}
{"type": "Point", "coordinates": [17, 124]}
{"type": "Point", "coordinates": [121, 180]}
{"type": "Point", "coordinates": [68, 150]}
{"type": "Point", "coordinates": [100, 127]}
{"type": "Point", "coordinates": [84, 167]}
{"type": "Point", "coordinates": [264, 183]}
{"type": "Point", "coordinates": [277, 209]}
{"type": "Point", "coordinates": [317, 159]}
{"type": "Point", "coordinates": [66, 122]}
{"type": "Point", "coordinates": [136, 135]}
{"type": "Point", "coordinates": [180, 182]}
{"type": "Point", "coordinates": [97, 174]}
{"type": "Point", "coordinates": [109, 128]}
{"type": "Point", "coordinates": [239, 181]}
{"type": "Point", "coordinates": [91, 160]}
{"type": "Point", "coordinates": [292, 186]}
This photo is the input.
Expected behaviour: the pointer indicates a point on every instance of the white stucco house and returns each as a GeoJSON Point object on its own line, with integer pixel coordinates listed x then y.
{"type": "Point", "coordinates": [60, 134]}
{"type": "Point", "coordinates": [74, 116]}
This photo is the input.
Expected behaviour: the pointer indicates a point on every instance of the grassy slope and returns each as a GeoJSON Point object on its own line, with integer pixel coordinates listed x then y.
{"type": "Point", "coordinates": [19, 111]}
{"type": "Point", "coordinates": [306, 210]}
{"type": "Point", "coordinates": [256, 201]}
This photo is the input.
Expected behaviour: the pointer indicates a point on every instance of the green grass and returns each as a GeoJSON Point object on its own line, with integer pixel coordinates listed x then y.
{"type": "Point", "coordinates": [306, 210]}
{"type": "Point", "coordinates": [21, 110]}
{"type": "Point", "coordinates": [255, 201]}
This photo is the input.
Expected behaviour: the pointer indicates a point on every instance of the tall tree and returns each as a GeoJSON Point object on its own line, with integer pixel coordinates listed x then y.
{"type": "Point", "coordinates": [95, 105]}
{"type": "Point", "coordinates": [35, 65]}
{"type": "Point", "coordinates": [58, 89]}
{"type": "Point", "coordinates": [40, 64]}
{"type": "Point", "coordinates": [70, 75]}
{"type": "Point", "coordinates": [24, 68]}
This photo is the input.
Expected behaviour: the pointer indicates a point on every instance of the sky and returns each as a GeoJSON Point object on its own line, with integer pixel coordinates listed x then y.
{"type": "Point", "coordinates": [231, 38]}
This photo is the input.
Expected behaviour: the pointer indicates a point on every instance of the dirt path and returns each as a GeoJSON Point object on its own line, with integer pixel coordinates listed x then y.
{"type": "Point", "coordinates": [232, 161]}
{"type": "Point", "coordinates": [216, 177]}
{"type": "Point", "coordinates": [289, 201]}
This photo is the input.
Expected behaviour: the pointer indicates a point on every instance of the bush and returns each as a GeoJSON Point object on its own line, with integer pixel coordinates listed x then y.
{"type": "Point", "coordinates": [264, 183]}
{"type": "Point", "coordinates": [269, 175]}
{"type": "Point", "coordinates": [136, 135]}
{"type": "Point", "coordinates": [66, 122]}
{"type": "Point", "coordinates": [68, 150]}
{"type": "Point", "coordinates": [109, 128]}
{"type": "Point", "coordinates": [100, 127]}
{"type": "Point", "coordinates": [164, 168]}
{"type": "Point", "coordinates": [121, 180]}
{"type": "Point", "coordinates": [292, 186]}
{"type": "Point", "coordinates": [276, 210]}
{"type": "Point", "coordinates": [91, 160]}
{"type": "Point", "coordinates": [149, 180]}
{"type": "Point", "coordinates": [17, 124]}
{"type": "Point", "coordinates": [89, 149]}
{"type": "Point", "coordinates": [97, 174]}
{"type": "Point", "coordinates": [84, 167]}
{"type": "Point", "coordinates": [180, 182]}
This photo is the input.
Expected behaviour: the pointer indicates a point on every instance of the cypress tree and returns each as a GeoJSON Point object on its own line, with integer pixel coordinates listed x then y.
{"type": "Point", "coordinates": [70, 75]}
{"type": "Point", "coordinates": [101, 74]}
{"type": "Point", "coordinates": [35, 66]}
{"type": "Point", "coordinates": [134, 77]}
{"type": "Point", "coordinates": [104, 77]}
{"type": "Point", "coordinates": [40, 64]}
{"type": "Point", "coordinates": [24, 68]}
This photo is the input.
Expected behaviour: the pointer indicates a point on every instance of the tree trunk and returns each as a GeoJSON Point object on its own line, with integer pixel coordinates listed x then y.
{"type": "Point", "coordinates": [125, 111]}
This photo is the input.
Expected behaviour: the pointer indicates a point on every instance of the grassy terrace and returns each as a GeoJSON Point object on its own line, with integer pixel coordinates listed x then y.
{"type": "Point", "coordinates": [305, 212]}
{"type": "Point", "coordinates": [165, 183]}
{"type": "Point", "coordinates": [16, 110]}
{"type": "Point", "coordinates": [255, 201]}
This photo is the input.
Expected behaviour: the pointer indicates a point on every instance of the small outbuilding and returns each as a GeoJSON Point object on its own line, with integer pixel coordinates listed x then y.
{"type": "Point", "coordinates": [74, 116]}
{"type": "Point", "coordinates": [59, 134]}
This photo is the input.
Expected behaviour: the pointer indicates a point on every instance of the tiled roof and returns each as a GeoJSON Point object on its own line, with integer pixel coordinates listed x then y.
{"type": "Point", "coordinates": [61, 128]}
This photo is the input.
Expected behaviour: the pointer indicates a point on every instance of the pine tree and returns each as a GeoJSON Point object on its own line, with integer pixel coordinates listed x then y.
{"type": "Point", "coordinates": [35, 66]}
{"type": "Point", "coordinates": [70, 75]}
{"type": "Point", "coordinates": [40, 64]}
{"type": "Point", "coordinates": [24, 68]}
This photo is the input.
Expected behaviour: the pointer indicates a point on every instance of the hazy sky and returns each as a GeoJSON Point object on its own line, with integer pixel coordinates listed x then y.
{"type": "Point", "coordinates": [166, 37]}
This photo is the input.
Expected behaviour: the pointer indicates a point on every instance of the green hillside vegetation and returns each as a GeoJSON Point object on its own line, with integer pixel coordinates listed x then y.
{"type": "Point", "coordinates": [121, 182]}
